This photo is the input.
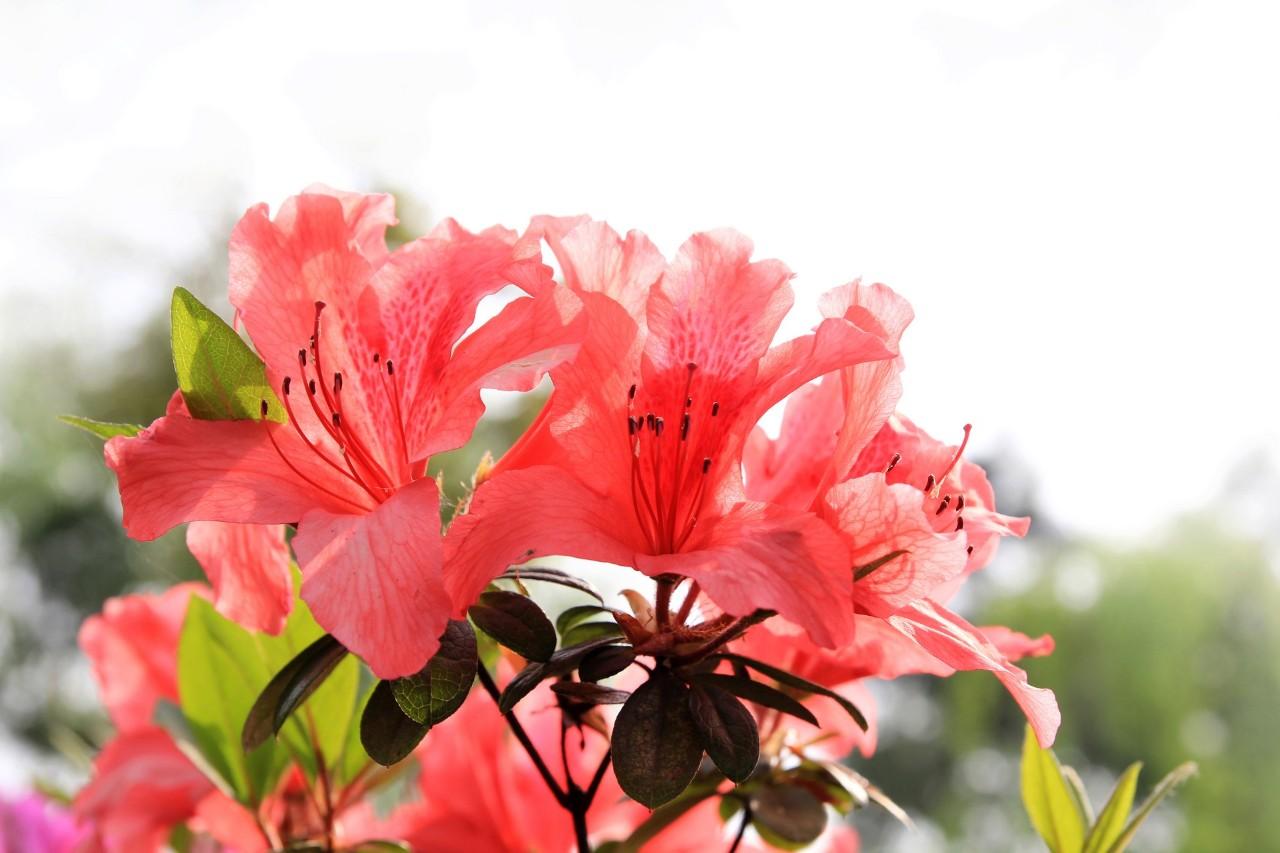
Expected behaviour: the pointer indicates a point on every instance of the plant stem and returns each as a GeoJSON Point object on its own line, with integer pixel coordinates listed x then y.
{"type": "Point", "coordinates": [662, 604]}
{"type": "Point", "coordinates": [742, 830]}
{"type": "Point", "coordinates": [518, 730]}
{"type": "Point", "coordinates": [686, 606]}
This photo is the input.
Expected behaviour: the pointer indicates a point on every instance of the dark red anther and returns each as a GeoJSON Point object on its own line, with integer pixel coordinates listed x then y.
{"type": "Point", "coordinates": [658, 424]}
{"type": "Point", "coordinates": [311, 387]}
{"type": "Point", "coordinates": [631, 425]}
{"type": "Point", "coordinates": [337, 383]}
{"type": "Point", "coordinates": [706, 464]}
{"type": "Point", "coordinates": [946, 501]}
{"type": "Point", "coordinates": [302, 358]}
{"type": "Point", "coordinates": [691, 367]}
{"type": "Point", "coordinates": [715, 409]}
{"type": "Point", "coordinates": [930, 483]}
{"type": "Point", "coordinates": [264, 408]}
{"type": "Point", "coordinates": [959, 503]}
{"type": "Point", "coordinates": [376, 358]}
{"type": "Point", "coordinates": [284, 386]}
{"type": "Point", "coordinates": [337, 421]}
{"type": "Point", "coordinates": [631, 394]}
{"type": "Point", "coordinates": [648, 419]}
{"type": "Point", "coordinates": [391, 367]}
{"type": "Point", "coordinates": [960, 522]}
{"type": "Point", "coordinates": [969, 550]}
{"type": "Point", "coordinates": [684, 427]}
{"type": "Point", "coordinates": [897, 457]}
{"type": "Point", "coordinates": [688, 401]}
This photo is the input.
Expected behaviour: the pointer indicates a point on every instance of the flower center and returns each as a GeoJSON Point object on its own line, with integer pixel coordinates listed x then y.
{"type": "Point", "coordinates": [670, 467]}
{"type": "Point", "coordinates": [340, 446]}
{"type": "Point", "coordinates": [933, 484]}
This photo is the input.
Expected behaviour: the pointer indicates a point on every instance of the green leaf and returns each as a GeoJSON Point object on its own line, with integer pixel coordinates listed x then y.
{"type": "Point", "coordinates": [221, 378]}
{"type": "Point", "coordinates": [606, 662]}
{"type": "Point", "coordinates": [789, 813]}
{"type": "Point", "coordinates": [387, 733]}
{"type": "Point", "coordinates": [1076, 786]}
{"type": "Point", "coordinates": [1163, 788]}
{"type": "Point", "coordinates": [591, 631]}
{"type": "Point", "coordinates": [434, 694]}
{"type": "Point", "coordinates": [220, 672]}
{"type": "Point", "coordinates": [589, 694]}
{"type": "Point", "coordinates": [761, 694]}
{"type": "Point", "coordinates": [576, 615]}
{"type": "Point", "coordinates": [656, 750]}
{"type": "Point", "coordinates": [1048, 800]}
{"type": "Point", "coordinates": [726, 729]}
{"type": "Point", "coordinates": [796, 682]}
{"type": "Point", "coordinates": [561, 663]}
{"type": "Point", "coordinates": [516, 622]}
{"type": "Point", "coordinates": [102, 429]}
{"type": "Point", "coordinates": [1114, 814]}
{"type": "Point", "coordinates": [289, 688]}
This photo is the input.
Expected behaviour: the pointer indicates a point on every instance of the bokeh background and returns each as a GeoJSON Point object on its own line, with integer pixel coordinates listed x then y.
{"type": "Point", "coordinates": [1078, 197]}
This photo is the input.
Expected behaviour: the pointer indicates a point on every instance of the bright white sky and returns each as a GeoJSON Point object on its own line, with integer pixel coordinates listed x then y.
{"type": "Point", "coordinates": [1080, 198]}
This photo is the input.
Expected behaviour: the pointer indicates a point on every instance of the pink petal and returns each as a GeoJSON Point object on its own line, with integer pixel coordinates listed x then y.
{"type": "Point", "coordinates": [595, 259]}
{"type": "Point", "coordinates": [789, 470]}
{"type": "Point", "coordinates": [132, 647]}
{"type": "Point", "coordinates": [511, 352]}
{"type": "Point", "coordinates": [878, 519]}
{"type": "Point", "coordinates": [716, 309]}
{"type": "Point", "coordinates": [142, 787]}
{"type": "Point", "coordinates": [765, 556]}
{"type": "Point", "coordinates": [374, 581]}
{"type": "Point", "coordinates": [531, 512]}
{"type": "Point", "coordinates": [958, 644]}
{"type": "Point", "coordinates": [181, 469]}
{"type": "Point", "coordinates": [1015, 645]}
{"type": "Point", "coordinates": [248, 566]}
{"type": "Point", "coordinates": [230, 824]}
{"type": "Point", "coordinates": [368, 216]}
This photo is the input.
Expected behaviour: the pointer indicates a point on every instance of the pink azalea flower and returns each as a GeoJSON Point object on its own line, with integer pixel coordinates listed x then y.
{"type": "Point", "coordinates": [33, 824]}
{"type": "Point", "coordinates": [365, 348]}
{"type": "Point", "coordinates": [132, 648]}
{"type": "Point", "coordinates": [915, 516]}
{"type": "Point", "coordinates": [636, 460]}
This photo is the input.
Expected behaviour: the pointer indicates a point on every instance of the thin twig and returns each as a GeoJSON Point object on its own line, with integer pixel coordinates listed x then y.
{"type": "Point", "coordinates": [742, 830]}
{"type": "Point", "coordinates": [518, 730]}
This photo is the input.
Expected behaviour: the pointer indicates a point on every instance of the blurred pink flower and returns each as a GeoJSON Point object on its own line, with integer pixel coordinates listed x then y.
{"type": "Point", "coordinates": [30, 823]}
{"type": "Point", "coordinates": [366, 350]}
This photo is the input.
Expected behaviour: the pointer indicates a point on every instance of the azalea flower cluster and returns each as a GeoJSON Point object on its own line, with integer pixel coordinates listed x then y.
{"type": "Point", "coordinates": [319, 690]}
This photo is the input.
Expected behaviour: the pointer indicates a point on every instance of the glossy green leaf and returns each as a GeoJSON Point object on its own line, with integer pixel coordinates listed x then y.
{"type": "Point", "coordinates": [516, 622]}
{"type": "Point", "coordinates": [1110, 823]}
{"type": "Point", "coordinates": [1048, 800]}
{"type": "Point", "coordinates": [591, 631]}
{"type": "Point", "coordinates": [435, 693]}
{"type": "Point", "coordinates": [102, 429]}
{"type": "Point", "coordinates": [1163, 788]}
{"type": "Point", "coordinates": [386, 732]}
{"type": "Point", "coordinates": [758, 692]}
{"type": "Point", "coordinates": [220, 672]}
{"type": "Point", "coordinates": [787, 813]}
{"type": "Point", "coordinates": [726, 729]}
{"type": "Point", "coordinates": [289, 688]}
{"type": "Point", "coordinates": [577, 615]}
{"type": "Point", "coordinates": [797, 683]}
{"type": "Point", "coordinates": [604, 663]}
{"type": "Point", "coordinates": [1076, 786]}
{"type": "Point", "coordinates": [220, 377]}
{"type": "Point", "coordinates": [656, 749]}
